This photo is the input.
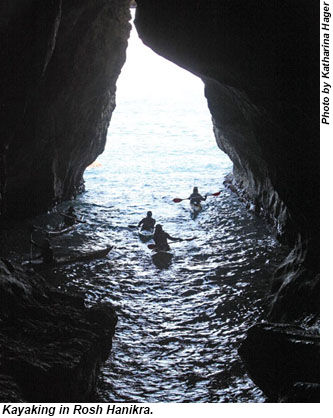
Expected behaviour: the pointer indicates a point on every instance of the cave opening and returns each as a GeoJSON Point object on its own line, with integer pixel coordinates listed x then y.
{"type": "Point", "coordinates": [179, 322]}
{"type": "Point", "coordinates": [160, 142]}
{"type": "Point", "coordinates": [180, 325]}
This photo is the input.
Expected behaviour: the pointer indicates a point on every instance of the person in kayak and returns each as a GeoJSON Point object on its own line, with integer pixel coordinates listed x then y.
{"type": "Point", "coordinates": [46, 250]}
{"type": "Point", "coordinates": [195, 197]}
{"type": "Point", "coordinates": [70, 217]}
{"type": "Point", "coordinates": [161, 239]}
{"type": "Point", "coordinates": [147, 223]}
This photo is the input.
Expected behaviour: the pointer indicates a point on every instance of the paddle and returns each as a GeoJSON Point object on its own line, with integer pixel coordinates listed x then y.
{"type": "Point", "coordinates": [177, 199]}
{"type": "Point", "coordinates": [73, 217]}
{"type": "Point", "coordinates": [137, 226]}
{"type": "Point", "coordinates": [214, 194]}
{"type": "Point", "coordinates": [30, 247]}
{"type": "Point", "coordinates": [153, 246]}
{"type": "Point", "coordinates": [32, 228]}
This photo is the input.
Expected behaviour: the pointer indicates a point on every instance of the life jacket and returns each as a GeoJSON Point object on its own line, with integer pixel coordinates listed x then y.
{"type": "Point", "coordinates": [148, 224]}
{"type": "Point", "coordinates": [161, 241]}
{"type": "Point", "coordinates": [196, 198]}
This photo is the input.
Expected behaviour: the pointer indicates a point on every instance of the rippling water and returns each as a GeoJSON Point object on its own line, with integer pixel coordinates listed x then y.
{"type": "Point", "coordinates": [179, 328]}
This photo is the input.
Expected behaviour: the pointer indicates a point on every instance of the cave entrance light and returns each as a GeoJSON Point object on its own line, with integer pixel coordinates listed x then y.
{"type": "Point", "coordinates": [160, 141]}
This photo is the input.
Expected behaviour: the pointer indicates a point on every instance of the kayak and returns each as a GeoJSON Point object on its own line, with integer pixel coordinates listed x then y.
{"type": "Point", "coordinates": [145, 235]}
{"type": "Point", "coordinates": [162, 259]}
{"type": "Point", "coordinates": [88, 256]}
{"type": "Point", "coordinates": [196, 208]}
{"type": "Point", "coordinates": [57, 232]}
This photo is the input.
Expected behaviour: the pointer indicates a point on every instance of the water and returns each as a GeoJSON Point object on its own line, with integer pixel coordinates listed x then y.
{"type": "Point", "coordinates": [179, 328]}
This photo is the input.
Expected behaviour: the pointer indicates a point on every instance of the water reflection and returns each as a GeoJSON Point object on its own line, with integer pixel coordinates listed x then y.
{"type": "Point", "coordinates": [179, 328]}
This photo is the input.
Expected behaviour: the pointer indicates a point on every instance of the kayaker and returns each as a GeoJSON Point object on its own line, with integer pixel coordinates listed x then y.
{"type": "Point", "coordinates": [195, 197]}
{"type": "Point", "coordinates": [147, 223]}
{"type": "Point", "coordinates": [161, 239]}
{"type": "Point", "coordinates": [70, 216]}
{"type": "Point", "coordinates": [47, 254]}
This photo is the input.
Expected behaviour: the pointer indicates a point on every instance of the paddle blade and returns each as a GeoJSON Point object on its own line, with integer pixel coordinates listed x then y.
{"type": "Point", "coordinates": [151, 246]}
{"type": "Point", "coordinates": [216, 194]}
{"type": "Point", "coordinates": [177, 200]}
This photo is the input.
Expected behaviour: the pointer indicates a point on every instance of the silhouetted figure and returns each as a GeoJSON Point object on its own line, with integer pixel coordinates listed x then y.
{"type": "Point", "coordinates": [147, 223]}
{"type": "Point", "coordinates": [161, 239]}
{"type": "Point", "coordinates": [70, 216]}
{"type": "Point", "coordinates": [46, 250]}
{"type": "Point", "coordinates": [195, 197]}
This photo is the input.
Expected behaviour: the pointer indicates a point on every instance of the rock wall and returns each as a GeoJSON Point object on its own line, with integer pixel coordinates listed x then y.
{"type": "Point", "coordinates": [259, 61]}
{"type": "Point", "coordinates": [60, 60]}
{"type": "Point", "coordinates": [51, 345]}
{"type": "Point", "coordinates": [284, 361]}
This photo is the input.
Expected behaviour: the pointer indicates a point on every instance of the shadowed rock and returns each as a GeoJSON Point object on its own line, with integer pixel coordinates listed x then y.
{"type": "Point", "coordinates": [59, 64]}
{"type": "Point", "coordinates": [51, 345]}
{"type": "Point", "coordinates": [283, 360]}
{"type": "Point", "coordinates": [259, 61]}
{"type": "Point", "coordinates": [262, 90]}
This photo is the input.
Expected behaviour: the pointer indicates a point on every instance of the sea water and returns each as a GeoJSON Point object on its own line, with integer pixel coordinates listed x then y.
{"type": "Point", "coordinates": [178, 328]}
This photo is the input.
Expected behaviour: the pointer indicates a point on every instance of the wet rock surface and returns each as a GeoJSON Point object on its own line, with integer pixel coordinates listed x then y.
{"type": "Point", "coordinates": [58, 94]}
{"type": "Point", "coordinates": [302, 393]}
{"type": "Point", "coordinates": [283, 360]}
{"type": "Point", "coordinates": [9, 390]}
{"type": "Point", "coordinates": [51, 345]}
